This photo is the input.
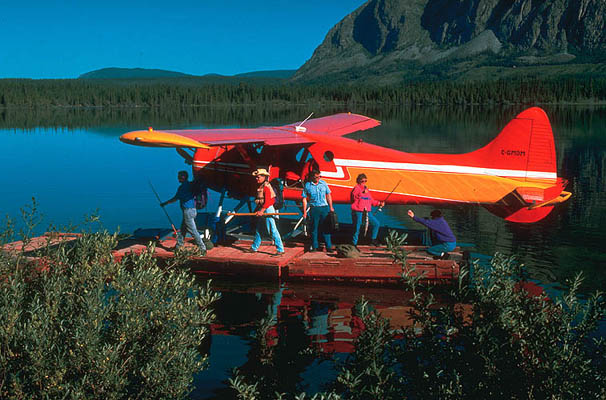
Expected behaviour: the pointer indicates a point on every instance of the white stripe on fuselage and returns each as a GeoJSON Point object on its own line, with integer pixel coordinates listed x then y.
{"type": "Point", "coordinates": [334, 175]}
{"type": "Point", "coordinates": [459, 169]}
{"type": "Point", "coordinates": [224, 164]}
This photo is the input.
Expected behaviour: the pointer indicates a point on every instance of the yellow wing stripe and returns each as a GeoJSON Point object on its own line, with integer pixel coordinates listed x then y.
{"type": "Point", "coordinates": [151, 138]}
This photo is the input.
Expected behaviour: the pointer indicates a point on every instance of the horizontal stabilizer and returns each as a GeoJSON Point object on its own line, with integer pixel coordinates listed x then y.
{"type": "Point", "coordinates": [530, 204]}
{"type": "Point", "coordinates": [526, 216]}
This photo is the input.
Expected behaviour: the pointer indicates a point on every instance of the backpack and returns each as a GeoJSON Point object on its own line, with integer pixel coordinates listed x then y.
{"type": "Point", "coordinates": [347, 251]}
{"type": "Point", "coordinates": [332, 222]}
{"type": "Point", "coordinates": [276, 185]}
{"type": "Point", "coordinates": [201, 199]}
{"type": "Point", "coordinates": [200, 193]}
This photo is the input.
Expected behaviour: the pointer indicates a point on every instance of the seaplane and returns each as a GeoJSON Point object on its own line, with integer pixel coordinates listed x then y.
{"type": "Point", "coordinates": [514, 176]}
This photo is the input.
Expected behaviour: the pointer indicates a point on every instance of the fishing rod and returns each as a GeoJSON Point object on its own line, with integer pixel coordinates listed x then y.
{"type": "Point", "coordinates": [384, 201]}
{"type": "Point", "coordinates": [163, 209]}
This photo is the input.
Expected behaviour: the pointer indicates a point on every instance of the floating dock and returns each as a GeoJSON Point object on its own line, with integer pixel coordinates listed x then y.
{"type": "Point", "coordinates": [234, 261]}
{"type": "Point", "coordinates": [374, 263]}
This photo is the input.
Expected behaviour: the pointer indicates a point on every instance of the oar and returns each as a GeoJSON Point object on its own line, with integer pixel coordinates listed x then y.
{"type": "Point", "coordinates": [263, 215]}
{"type": "Point", "coordinates": [385, 201]}
{"type": "Point", "coordinates": [163, 209]}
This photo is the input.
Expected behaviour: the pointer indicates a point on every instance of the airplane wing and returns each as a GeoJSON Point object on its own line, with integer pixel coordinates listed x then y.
{"type": "Point", "coordinates": [334, 125]}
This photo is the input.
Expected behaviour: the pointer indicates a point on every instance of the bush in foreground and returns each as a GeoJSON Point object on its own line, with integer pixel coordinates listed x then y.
{"type": "Point", "coordinates": [492, 340]}
{"type": "Point", "coordinates": [79, 325]}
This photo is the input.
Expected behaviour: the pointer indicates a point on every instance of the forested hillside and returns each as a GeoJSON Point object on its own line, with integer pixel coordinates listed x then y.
{"type": "Point", "coordinates": [99, 93]}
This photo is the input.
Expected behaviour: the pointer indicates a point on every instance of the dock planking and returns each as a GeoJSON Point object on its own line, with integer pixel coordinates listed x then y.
{"type": "Point", "coordinates": [375, 263]}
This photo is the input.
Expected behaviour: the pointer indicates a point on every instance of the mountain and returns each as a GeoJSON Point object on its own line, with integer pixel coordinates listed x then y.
{"type": "Point", "coordinates": [278, 73]}
{"type": "Point", "coordinates": [392, 41]}
{"type": "Point", "coordinates": [143, 73]}
{"type": "Point", "coordinates": [131, 73]}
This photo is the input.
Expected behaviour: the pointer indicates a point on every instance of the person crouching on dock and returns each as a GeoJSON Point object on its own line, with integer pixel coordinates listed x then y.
{"type": "Point", "coordinates": [265, 199]}
{"type": "Point", "coordinates": [361, 208]}
{"type": "Point", "coordinates": [442, 238]}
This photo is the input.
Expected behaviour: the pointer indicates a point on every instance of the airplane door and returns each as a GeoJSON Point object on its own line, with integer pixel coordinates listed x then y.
{"type": "Point", "coordinates": [324, 158]}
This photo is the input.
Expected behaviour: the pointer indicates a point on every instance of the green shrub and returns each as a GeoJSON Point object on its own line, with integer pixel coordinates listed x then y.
{"type": "Point", "coordinates": [79, 325]}
{"type": "Point", "coordinates": [489, 339]}
{"type": "Point", "coordinates": [493, 340]}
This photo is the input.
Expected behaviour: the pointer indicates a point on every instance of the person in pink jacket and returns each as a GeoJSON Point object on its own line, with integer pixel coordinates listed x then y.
{"type": "Point", "coordinates": [362, 203]}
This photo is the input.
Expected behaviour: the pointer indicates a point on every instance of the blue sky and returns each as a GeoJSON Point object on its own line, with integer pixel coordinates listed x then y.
{"type": "Point", "coordinates": [63, 39]}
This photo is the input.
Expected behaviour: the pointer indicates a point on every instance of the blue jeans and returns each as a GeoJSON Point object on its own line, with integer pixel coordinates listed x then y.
{"type": "Point", "coordinates": [356, 218]}
{"type": "Point", "coordinates": [189, 225]}
{"type": "Point", "coordinates": [318, 216]}
{"type": "Point", "coordinates": [440, 248]}
{"type": "Point", "coordinates": [272, 229]}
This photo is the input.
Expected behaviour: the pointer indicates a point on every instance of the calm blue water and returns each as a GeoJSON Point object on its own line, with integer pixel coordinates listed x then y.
{"type": "Point", "coordinates": [74, 173]}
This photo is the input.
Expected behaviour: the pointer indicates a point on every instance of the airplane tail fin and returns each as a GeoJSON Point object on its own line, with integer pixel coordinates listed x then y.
{"type": "Point", "coordinates": [525, 151]}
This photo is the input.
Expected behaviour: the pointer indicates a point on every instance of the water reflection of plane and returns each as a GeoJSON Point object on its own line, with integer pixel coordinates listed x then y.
{"type": "Point", "coordinates": [325, 314]}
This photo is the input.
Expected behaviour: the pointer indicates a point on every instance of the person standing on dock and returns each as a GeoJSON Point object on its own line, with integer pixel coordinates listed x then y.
{"type": "Point", "coordinates": [185, 195]}
{"type": "Point", "coordinates": [265, 199]}
{"type": "Point", "coordinates": [442, 238]}
{"type": "Point", "coordinates": [361, 208]}
{"type": "Point", "coordinates": [316, 193]}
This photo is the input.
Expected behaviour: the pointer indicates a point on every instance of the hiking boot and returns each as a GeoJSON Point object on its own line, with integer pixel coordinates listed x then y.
{"type": "Point", "coordinates": [375, 243]}
{"type": "Point", "coordinates": [442, 256]}
{"type": "Point", "coordinates": [203, 253]}
{"type": "Point", "coordinates": [278, 254]}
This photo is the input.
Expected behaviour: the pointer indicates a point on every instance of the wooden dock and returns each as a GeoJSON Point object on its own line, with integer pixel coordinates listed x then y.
{"type": "Point", "coordinates": [234, 261]}
{"type": "Point", "coordinates": [373, 264]}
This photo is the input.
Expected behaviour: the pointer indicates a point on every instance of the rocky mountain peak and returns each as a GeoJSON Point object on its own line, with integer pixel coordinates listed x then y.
{"type": "Point", "coordinates": [385, 37]}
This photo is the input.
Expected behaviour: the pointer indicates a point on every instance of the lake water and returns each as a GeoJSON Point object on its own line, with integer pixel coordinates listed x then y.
{"type": "Point", "coordinates": [72, 162]}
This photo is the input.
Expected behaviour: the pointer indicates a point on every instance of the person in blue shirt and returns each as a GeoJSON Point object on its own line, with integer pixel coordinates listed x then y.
{"type": "Point", "coordinates": [442, 238]}
{"type": "Point", "coordinates": [185, 195]}
{"type": "Point", "coordinates": [316, 194]}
